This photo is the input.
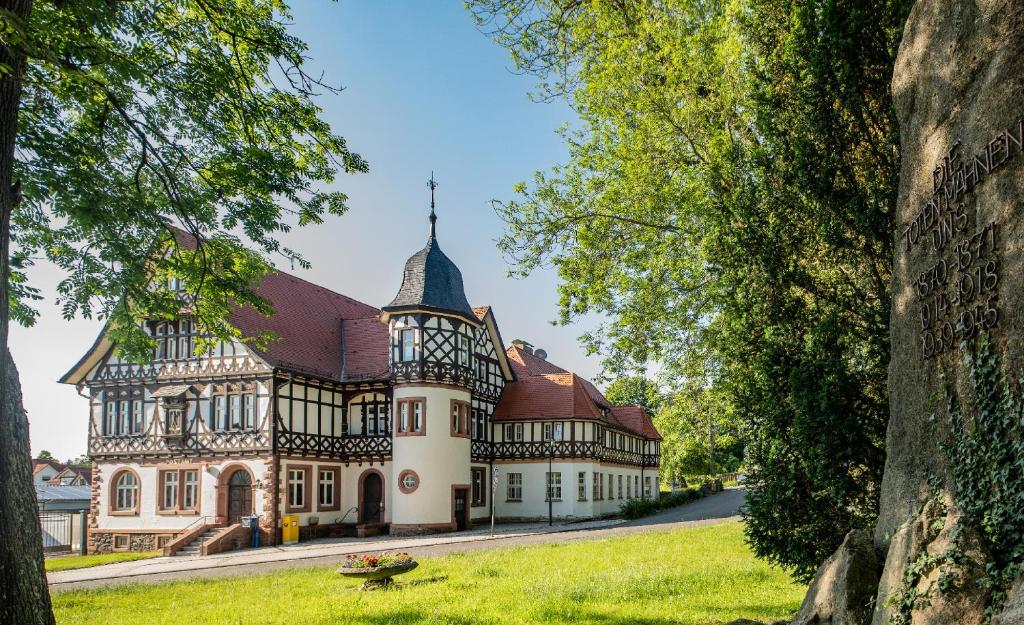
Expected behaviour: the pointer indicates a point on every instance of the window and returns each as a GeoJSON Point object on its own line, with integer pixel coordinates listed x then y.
{"type": "Point", "coordinates": [410, 416]}
{"type": "Point", "coordinates": [513, 432]}
{"type": "Point", "coordinates": [554, 481]}
{"type": "Point", "coordinates": [124, 417]}
{"type": "Point", "coordinates": [636, 485]}
{"type": "Point", "coordinates": [298, 482]}
{"type": "Point", "coordinates": [582, 486]}
{"type": "Point", "coordinates": [407, 344]}
{"type": "Point", "coordinates": [464, 350]}
{"type": "Point", "coordinates": [619, 487]}
{"type": "Point", "coordinates": [408, 481]}
{"type": "Point", "coordinates": [175, 340]}
{"type": "Point", "coordinates": [479, 486]}
{"type": "Point", "coordinates": [597, 492]}
{"type": "Point", "coordinates": [121, 542]}
{"type": "Point", "coordinates": [190, 494]}
{"type": "Point", "coordinates": [647, 487]}
{"type": "Point", "coordinates": [170, 490]}
{"type": "Point", "coordinates": [479, 424]}
{"type": "Point", "coordinates": [629, 488]}
{"type": "Point", "coordinates": [126, 493]}
{"type": "Point", "coordinates": [233, 409]}
{"type": "Point", "coordinates": [611, 486]}
{"type": "Point", "coordinates": [179, 491]}
{"type": "Point", "coordinates": [515, 487]}
{"type": "Point", "coordinates": [460, 418]}
{"type": "Point", "coordinates": [327, 488]}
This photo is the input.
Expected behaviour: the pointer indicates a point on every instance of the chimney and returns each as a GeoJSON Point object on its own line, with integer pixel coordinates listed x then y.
{"type": "Point", "coordinates": [540, 353]}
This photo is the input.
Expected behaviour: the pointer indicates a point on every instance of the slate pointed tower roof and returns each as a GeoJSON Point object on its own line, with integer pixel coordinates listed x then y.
{"type": "Point", "coordinates": [431, 281]}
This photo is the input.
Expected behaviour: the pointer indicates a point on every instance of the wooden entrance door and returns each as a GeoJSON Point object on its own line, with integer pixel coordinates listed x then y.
{"type": "Point", "coordinates": [239, 496]}
{"type": "Point", "coordinates": [460, 495]}
{"type": "Point", "coordinates": [373, 494]}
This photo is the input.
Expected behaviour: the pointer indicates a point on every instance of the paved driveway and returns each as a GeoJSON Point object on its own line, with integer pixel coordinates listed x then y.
{"type": "Point", "coordinates": [707, 511]}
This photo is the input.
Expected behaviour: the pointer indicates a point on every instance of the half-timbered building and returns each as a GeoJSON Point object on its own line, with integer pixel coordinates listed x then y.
{"type": "Point", "coordinates": [409, 418]}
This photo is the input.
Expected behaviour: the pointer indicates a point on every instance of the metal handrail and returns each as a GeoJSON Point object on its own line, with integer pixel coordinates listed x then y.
{"type": "Point", "coordinates": [352, 509]}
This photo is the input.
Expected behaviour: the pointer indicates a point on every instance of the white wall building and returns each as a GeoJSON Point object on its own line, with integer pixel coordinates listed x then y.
{"type": "Point", "coordinates": [409, 418]}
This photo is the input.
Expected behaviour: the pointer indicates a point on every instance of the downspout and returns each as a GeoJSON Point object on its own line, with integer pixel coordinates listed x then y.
{"type": "Point", "coordinates": [276, 518]}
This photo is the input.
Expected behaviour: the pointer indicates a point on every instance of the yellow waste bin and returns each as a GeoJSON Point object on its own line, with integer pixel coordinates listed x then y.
{"type": "Point", "coordinates": [290, 529]}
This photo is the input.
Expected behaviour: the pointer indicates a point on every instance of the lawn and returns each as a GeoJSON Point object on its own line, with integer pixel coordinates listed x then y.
{"type": "Point", "coordinates": [697, 576]}
{"type": "Point", "coordinates": [66, 563]}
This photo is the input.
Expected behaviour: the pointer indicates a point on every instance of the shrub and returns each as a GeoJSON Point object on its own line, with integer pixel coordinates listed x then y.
{"type": "Point", "coordinates": [636, 508]}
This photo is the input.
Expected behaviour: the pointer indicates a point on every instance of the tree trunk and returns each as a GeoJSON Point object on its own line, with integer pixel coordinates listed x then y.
{"type": "Point", "coordinates": [24, 595]}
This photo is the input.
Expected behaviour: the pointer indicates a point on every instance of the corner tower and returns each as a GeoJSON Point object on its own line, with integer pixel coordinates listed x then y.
{"type": "Point", "coordinates": [432, 327]}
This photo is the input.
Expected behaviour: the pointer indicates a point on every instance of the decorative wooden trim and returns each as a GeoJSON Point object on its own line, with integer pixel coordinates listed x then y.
{"type": "Point", "coordinates": [463, 408]}
{"type": "Point", "coordinates": [397, 417]}
{"type": "Point", "coordinates": [337, 488]}
{"type": "Point", "coordinates": [454, 387]}
{"type": "Point", "coordinates": [401, 481]}
{"type": "Point", "coordinates": [307, 488]}
{"type": "Point", "coordinates": [112, 493]}
{"type": "Point", "coordinates": [469, 495]}
{"type": "Point", "coordinates": [383, 494]}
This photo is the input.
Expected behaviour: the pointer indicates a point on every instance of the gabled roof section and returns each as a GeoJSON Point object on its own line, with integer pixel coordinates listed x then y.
{"type": "Point", "coordinates": [309, 321]}
{"type": "Point", "coordinates": [544, 390]}
{"type": "Point", "coordinates": [486, 315]}
{"type": "Point", "coordinates": [558, 395]}
{"type": "Point", "coordinates": [636, 419]}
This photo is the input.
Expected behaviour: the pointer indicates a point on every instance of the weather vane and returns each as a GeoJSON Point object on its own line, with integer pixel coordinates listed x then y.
{"type": "Point", "coordinates": [433, 218]}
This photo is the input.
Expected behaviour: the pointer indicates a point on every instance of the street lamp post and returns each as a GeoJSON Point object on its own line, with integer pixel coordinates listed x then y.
{"type": "Point", "coordinates": [551, 457]}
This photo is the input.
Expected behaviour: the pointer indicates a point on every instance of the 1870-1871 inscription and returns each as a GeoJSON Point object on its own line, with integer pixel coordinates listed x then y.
{"type": "Point", "coordinates": [958, 293]}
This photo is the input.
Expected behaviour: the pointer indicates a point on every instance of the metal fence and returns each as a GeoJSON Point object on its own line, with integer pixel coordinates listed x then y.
{"type": "Point", "coordinates": [62, 530]}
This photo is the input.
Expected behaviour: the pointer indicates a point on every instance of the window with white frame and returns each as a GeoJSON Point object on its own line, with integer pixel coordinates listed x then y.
{"type": "Point", "coordinates": [124, 416]}
{"type": "Point", "coordinates": [554, 483]}
{"type": "Point", "coordinates": [464, 350]}
{"type": "Point", "coordinates": [597, 492]}
{"type": "Point", "coordinates": [296, 488]}
{"type": "Point", "coordinates": [232, 410]}
{"type": "Point", "coordinates": [190, 490]}
{"type": "Point", "coordinates": [553, 431]}
{"type": "Point", "coordinates": [326, 483]}
{"type": "Point", "coordinates": [582, 486]}
{"type": "Point", "coordinates": [126, 492]}
{"type": "Point", "coordinates": [514, 491]}
{"type": "Point", "coordinates": [170, 490]}
{"type": "Point", "coordinates": [410, 416]}
{"type": "Point", "coordinates": [647, 487]}
{"type": "Point", "coordinates": [618, 487]}
{"type": "Point", "coordinates": [629, 488]}
{"type": "Point", "coordinates": [407, 344]}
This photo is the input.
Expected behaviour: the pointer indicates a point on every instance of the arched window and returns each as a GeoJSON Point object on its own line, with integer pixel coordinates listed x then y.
{"type": "Point", "coordinates": [126, 493]}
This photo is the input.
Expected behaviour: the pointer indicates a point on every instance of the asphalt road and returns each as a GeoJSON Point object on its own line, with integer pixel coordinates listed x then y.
{"type": "Point", "coordinates": [710, 510]}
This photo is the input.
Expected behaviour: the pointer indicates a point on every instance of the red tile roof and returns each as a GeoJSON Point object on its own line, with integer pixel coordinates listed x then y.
{"type": "Point", "coordinates": [636, 419]}
{"type": "Point", "coordinates": [545, 390]}
{"type": "Point", "coordinates": [309, 321]}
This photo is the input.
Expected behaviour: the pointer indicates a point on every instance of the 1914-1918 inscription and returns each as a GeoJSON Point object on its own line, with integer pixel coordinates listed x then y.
{"type": "Point", "coordinates": [958, 293]}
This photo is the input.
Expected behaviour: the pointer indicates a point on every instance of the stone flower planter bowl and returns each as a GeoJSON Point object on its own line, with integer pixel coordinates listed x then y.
{"type": "Point", "coordinates": [377, 577]}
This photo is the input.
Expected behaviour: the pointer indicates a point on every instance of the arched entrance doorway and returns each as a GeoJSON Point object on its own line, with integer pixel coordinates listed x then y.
{"type": "Point", "coordinates": [372, 496]}
{"type": "Point", "coordinates": [239, 496]}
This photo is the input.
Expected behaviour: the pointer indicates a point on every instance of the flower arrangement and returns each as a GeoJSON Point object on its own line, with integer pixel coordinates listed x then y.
{"type": "Point", "coordinates": [376, 560]}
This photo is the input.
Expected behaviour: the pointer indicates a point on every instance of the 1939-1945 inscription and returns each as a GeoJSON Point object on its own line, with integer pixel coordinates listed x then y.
{"type": "Point", "coordinates": [958, 293]}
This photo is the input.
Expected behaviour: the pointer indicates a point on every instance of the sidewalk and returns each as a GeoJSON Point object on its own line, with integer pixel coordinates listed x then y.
{"type": "Point", "coordinates": [321, 548]}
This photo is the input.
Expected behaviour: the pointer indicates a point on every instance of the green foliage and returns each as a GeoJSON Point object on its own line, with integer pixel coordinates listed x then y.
{"type": "Point", "coordinates": [728, 207]}
{"type": "Point", "coordinates": [635, 390]}
{"type": "Point", "coordinates": [988, 474]}
{"type": "Point", "coordinates": [139, 120]}
{"type": "Point", "coordinates": [638, 508]}
{"type": "Point", "coordinates": [702, 433]}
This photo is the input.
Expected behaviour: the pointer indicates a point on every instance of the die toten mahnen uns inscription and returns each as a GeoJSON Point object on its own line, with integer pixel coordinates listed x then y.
{"type": "Point", "coordinates": [959, 293]}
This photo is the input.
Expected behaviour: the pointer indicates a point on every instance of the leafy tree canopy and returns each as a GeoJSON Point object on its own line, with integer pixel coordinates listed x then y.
{"type": "Point", "coordinates": [727, 205]}
{"type": "Point", "coordinates": [634, 390]}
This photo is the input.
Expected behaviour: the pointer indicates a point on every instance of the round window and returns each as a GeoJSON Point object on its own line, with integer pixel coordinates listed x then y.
{"type": "Point", "coordinates": [408, 481]}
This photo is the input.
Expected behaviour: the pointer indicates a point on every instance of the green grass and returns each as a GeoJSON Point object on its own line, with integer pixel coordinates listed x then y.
{"type": "Point", "coordinates": [67, 563]}
{"type": "Point", "coordinates": [696, 576]}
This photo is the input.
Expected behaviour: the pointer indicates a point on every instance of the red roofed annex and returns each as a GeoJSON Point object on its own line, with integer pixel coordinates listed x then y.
{"type": "Point", "coordinates": [409, 418]}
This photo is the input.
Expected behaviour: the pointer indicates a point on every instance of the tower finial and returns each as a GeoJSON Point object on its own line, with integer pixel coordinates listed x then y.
{"type": "Point", "coordinates": [433, 217]}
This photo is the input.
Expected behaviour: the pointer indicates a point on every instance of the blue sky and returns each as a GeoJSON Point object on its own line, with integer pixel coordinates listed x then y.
{"type": "Point", "coordinates": [424, 90]}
